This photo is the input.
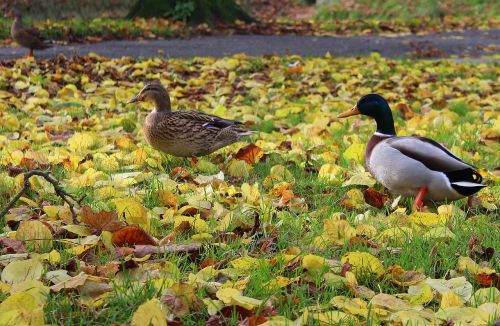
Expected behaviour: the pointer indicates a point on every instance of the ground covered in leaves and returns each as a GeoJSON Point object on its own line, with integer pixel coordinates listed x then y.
{"type": "Point", "coordinates": [285, 228]}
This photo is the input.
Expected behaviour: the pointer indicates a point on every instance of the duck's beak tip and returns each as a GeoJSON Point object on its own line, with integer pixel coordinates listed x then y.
{"type": "Point", "coordinates": [133, 100]}
{"type": "Point", "coordinates": [353, 111]}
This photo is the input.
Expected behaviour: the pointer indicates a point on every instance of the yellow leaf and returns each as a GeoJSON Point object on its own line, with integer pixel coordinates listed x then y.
{"type": "Point", "coordinates": [355, 152]}
{"type": "Point", "coordinates": [52, 257]}
{"type": "Point", "coordinates": [425, 219]}
{"type": "Point", "coordinates": [226, 294]}
{"type": "Point", "coordinates": [460, 316]}
{"type": "Point", "coordinates": [360, 179]}
{"type": "Point", "coordinates": [333, 318]}
{"type": "Point", "coordinates": [363, 262]}
{"type": "Point", "coordinates": [80, 142]}
{"type": "Point", "coordinates": [21, 309]}
{"type": "Point", "coordinates": [313, 262]}
{"type": "Point", "coordinates": [34, 229]}
{"type": "Point", "coordinates": [338, 232]}
{"type": "Point", "coordinates": [413, 317]}
{"type": "Point", "coordinates": [450, 299]}
{"type": "Point", "coordinates": [238, 168]}
{"type": "Point", "coordinates": [355, 306]}
{"type": "Point", "coordinates": [485, 295]}
{"type": "Point", "coordinates": [245, 263]}
{"type": "Point", "coordinates": [132, 211]}
{"type": "Point", "coordinates": [22, 270]}
{"type": "Point", "coordinates": [420, 294]}
{"type": "Point", "coordinates": [37, 289]}
{"type": "Point", "coordinates": [353, 199]}
{"type": "Point", "coordinates": [331, 172]}
{"type": "Point", "coordinates": [250, 194]}
{"type": "Point", "coordinates": [467, 264]}
{"type": "Point", "coordinates": [213, 306]}
{"type": "Point", "coordinates": [151, 312]}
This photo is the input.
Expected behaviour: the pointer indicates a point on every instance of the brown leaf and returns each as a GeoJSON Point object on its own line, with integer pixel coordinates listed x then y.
{"type": "Point", "coordinates": [131, 235]}
{"type": "Point", "coordinates": [345, 268]}
{"type": "Point", "coordinates": [374, 198]}
{"type": "Point", "coordinates": [216, 320]}
{"type": "Point", "coordinates": [238, 311]}
{"type": "Point", "coordinates": [250, 154]}
{"type": "Point", "coordinates": [181, 299]}
{"type": "Point", "coordinates": [109, 270]}
{"type": "Point", "coordinates": [11, 246]}
{"type": "Point", "coordinates": [143, 250]}
{"type": "Point", "coordinates": [102, 221]}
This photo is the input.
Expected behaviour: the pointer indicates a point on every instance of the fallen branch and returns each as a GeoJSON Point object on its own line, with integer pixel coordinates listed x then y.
{"type": "Point", "coordinates": [57, 188]}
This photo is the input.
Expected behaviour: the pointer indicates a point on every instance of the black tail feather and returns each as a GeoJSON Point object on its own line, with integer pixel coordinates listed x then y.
{"type": "Point", "coordinates": [466, 175]}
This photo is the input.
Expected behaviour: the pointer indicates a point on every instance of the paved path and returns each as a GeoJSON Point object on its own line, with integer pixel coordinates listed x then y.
{"type": "Point", "coordinates": [471, 43]}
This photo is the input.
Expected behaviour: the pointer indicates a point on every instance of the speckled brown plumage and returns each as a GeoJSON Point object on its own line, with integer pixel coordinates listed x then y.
{"type": "Point", "coordinates": [27, 37]}
{"type": "Point", "coordinates": [185, 133]}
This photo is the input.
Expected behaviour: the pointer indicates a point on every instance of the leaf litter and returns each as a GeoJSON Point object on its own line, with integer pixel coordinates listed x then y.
{"type": "Point", "coordinates": [286, 229]}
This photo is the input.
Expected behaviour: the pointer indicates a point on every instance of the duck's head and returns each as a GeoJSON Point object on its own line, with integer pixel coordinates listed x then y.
{"type": "Point", "coordinates": [156, 93]}
{"type": "Point", "coordinates": [375, 106]}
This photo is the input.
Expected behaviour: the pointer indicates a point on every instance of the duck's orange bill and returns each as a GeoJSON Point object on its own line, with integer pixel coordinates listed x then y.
{"type": "Point", "coordinates": [350, 112]}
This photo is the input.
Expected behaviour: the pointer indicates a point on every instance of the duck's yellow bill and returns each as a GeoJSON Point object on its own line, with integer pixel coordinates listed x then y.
{"type": "Point", "coordinates": [348, 113]}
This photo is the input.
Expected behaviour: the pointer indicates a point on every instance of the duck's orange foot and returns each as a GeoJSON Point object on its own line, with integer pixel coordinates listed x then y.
{"type": "Point", "coordinates": [418, 205]}
{"type": "Point", "coordinates": [194, 160]}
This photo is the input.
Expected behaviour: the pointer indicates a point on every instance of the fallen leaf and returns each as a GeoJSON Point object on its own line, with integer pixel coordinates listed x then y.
{"type": "Point", "coordinates": [250, 154]}
{"type": "Point", "coordinates": [101, 221]}
{"type": "Point", "coordinates": [151, 312]}
{"type": "Point", "coordinates": [131, 235]}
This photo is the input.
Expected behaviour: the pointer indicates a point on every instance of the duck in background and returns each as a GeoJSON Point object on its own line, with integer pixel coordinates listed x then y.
{"type": "Point", "coordinates": [30, 38]}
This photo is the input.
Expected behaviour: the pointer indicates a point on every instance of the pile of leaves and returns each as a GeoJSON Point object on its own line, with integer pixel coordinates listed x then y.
{"type": "Point", "coordinates": [99, 29]}
{"type": "Point", "coordinates": [285, 228]}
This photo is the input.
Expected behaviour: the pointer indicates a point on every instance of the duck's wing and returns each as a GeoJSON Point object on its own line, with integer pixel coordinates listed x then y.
{"type": "Point", "coordinates": [206, 120]}
{"type": "Point", "coordinates": [436, 157]}
{"type": "Point", "coordinates": [33, 37]}
{"type": "Point", "coordinates": [430, 153]}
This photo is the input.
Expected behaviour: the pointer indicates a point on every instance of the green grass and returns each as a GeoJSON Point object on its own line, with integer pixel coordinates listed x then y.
{"type": "Point", "coordinates": [408, 10]}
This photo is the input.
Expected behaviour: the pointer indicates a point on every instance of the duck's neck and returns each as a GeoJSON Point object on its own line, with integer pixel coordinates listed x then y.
{"type": "Point", "coordinates": [385, 123]}
{"type": "Point", "coordinates": [18, 23]}
{"type": "Point", "coordinates": [162, 103]}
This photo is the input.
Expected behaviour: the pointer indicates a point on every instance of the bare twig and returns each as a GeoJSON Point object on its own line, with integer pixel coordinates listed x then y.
{"type": "Point", "coordinates": [57, 188]}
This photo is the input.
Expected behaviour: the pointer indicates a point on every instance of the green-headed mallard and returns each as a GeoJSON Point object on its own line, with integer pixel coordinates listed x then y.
{"type": "Point", "coordinates": [28, 37]}
{"type": "Point", "coordinates": [413, 166]}
{"type": "Point", "coordinates": [185, 133]}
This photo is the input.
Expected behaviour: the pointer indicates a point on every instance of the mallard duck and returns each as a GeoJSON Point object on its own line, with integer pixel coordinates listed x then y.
{"type": "Point", "coordinates": [185, 133]}
{"type": "Point", "coordinates": [28, 37]}
{"type": "Point", "coordinates": [413, 166]}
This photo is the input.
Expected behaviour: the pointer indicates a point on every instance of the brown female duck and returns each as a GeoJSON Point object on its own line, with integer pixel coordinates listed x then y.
{"type": "Point", "coordinates": [185, 133]}
{"type": "Point", "coordinates": [27, 37]}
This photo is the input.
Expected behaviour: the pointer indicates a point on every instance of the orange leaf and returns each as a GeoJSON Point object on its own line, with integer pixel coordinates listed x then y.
{"type": "Point", "coordinates": [487, 279]}
{"type": "Point", "coordinates": [131, 235]}
{"type": "Point", "coordinates": [250, 154]}
{"type": "Point", "coordinates": [102, 221]}
{"type": "Point", "coordinates": [374, 198]}
{"type": "Point", "coordinates": [180, 173]}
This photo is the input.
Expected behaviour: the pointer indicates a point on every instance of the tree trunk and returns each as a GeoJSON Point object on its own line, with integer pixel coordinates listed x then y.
{"type": "Point", "coordinates": [203, 11]}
